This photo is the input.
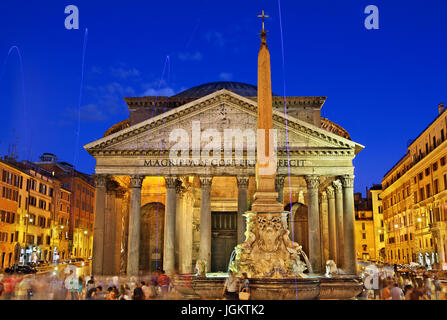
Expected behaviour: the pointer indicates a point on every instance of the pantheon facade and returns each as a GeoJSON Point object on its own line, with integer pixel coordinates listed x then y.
{"type": "Point", "coordinates": [153, 213]}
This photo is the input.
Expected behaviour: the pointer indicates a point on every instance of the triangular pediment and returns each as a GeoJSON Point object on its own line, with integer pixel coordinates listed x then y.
{"type": "Point", "coordinates": [221, 110]}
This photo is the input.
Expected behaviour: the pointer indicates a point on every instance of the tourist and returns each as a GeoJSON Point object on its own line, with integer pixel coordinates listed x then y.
{"type": "Point", "coordinates": [231, 286]}
{"type": "Point", "coordinates": [163, 283]}
{"type": "Point", "coordinates": [80, 287]}
{"type": "Point", "coordinates": [396, 293]}
{"type": "Point", "coordinates": [438, 289]}
{"type": "Point", "coordinates": [90, 285]}
{"type": "Point", "coordinates": [415, 294]}
{"type": "Point", "coordinates": [386, 290]}
{"type": "Point", "coordinates": [124, 292]}
{"type": "Point", "coordinates": [10, 285]}
{"type": "Point", "coordinates": [110, 294]}
{"type": "Point", "coordinates": [407, 291]}
{"type": "Point", "coordinates": [244, 284]}
{"type": "Point", "coordinates": [100, 294]}
{"type": "Point", "coordinates": [148, 290]}
{"type": "Point", "coordinates": [138, 293]}
{"type": "Point", "coordinates": [22, 289]}
{"type": "Point", "coordinates": [92, 293]}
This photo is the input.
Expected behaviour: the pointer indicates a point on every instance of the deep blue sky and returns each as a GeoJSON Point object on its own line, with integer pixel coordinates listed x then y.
{"type": "Point", "coordinates": [383, 86]}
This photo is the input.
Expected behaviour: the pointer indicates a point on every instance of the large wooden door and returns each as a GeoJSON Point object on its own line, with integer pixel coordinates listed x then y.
{"type": "Point", "coordinates": [224, 239]}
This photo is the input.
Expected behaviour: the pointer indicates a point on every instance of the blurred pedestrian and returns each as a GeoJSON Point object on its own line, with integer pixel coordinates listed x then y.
{"type": "Point", "coordinates": [110, 294]}
{"type": "Point", "coordinates": [164, 282]}
{"type": "Point", "coordinates": [10, 285]}
{"type": "Point", "coordinates": [80, 288]}
{"type": "Point", "coordinates": [138, 293]}
{"type": "Point", "coordinates": [90, 285]}
{"type": "Point", "coordinates": [396, 292]}
{"type": "Point", "coordinates": [91, 294]}
{"type": "Point", "coordinates": [386, 290]}
{"type": "Point", "coordinates": [244, 287]}
{"type": "Point", "coordinates": [438, 289]}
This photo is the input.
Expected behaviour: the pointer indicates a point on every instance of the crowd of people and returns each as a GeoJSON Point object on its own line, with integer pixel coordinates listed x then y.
{"type": "Point", "coordinates": [68, 286]}
{"type": "Point", "coordinates": [405, 287]}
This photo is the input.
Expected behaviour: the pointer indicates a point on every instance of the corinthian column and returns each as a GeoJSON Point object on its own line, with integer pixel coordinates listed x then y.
{"type": "Point", "coordinates": [205, 221]}
{"type": "Point", "coordinates": [324, 228]}
{"type": "Point", "coordinates": [339, 221]}
{"type": "Point", "coordinates": [242, 198]}
{"type": "Point", "coordinates": [98, 231]}
{"type": "Point", "coordinates": [314, 223]}
{"type": "Point", "coordinates": [331, 225]}
{"type": "Point", "coordinates": [133, 259]}
{"type": "Point", "coordinates": [169, 236]}
{"type": "Point", "coordinates": [350, 265]}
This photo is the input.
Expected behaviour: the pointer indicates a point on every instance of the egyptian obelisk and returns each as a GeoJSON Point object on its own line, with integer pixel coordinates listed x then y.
{"type": "Point", "coordinates": [267, 251]}
{"type": "Point", "coordinates": [266, 195]}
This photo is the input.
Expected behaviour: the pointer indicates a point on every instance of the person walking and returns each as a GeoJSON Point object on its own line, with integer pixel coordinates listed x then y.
{"type": "Point", "coordinates": [244, 285]}
{"type": "Point", "coordinates": [386, 291]}
{"type": "Point", "coordinates": [10, 285]}
{"type": "Point", "coordinates": [90, 285]}
{"type": "Point", "coordinates": [231, 286]}
{"type": "Point", "coordinates": [80, 288]}
{"type": "Point", "coordinates": [138, 293]}
{"type": "Point", "coordinates": [163, 282]}
{"type": "Point", "coordinates": [438, 289]}
{"type": "Point", "coordinates": [396, 293]}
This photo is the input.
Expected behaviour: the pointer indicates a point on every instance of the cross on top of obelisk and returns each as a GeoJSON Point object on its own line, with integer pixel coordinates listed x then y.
{"type": "Point", "coordinates": [263, 16]}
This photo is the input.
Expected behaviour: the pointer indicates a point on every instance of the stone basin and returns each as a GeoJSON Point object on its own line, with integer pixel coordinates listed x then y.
{"type": "Point", "coordinates": [261, 289]}
{"type": "Point", "coordinates": [340, 287]}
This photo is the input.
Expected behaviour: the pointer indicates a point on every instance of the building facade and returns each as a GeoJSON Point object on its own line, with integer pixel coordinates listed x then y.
{"type": "Point", "coordinates": [10, 200]}
{"type": "Point", "coordinates": [37, 212]}
{"type": "Point", "coordinates": [369, 226]}
{"type": "Point", "coordinates": [81, 190]}
{"type": "Point", "coordinates": [155, 212]}
{"type": "Point", "coordinates": [414, 199]}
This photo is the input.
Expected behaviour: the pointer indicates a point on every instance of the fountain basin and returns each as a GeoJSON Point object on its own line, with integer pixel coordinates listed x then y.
{"type": "Point", "coordinates": [340, 287]}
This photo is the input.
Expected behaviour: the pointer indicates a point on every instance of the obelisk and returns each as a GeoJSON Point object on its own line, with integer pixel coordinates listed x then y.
{"type": "Point", "coordinates": [265, 198]}
{"type": "Point", "coordinates": [267, 251]}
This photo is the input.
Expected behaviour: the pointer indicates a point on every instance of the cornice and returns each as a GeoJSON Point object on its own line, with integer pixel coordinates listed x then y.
{"type": "Point", "coordinates": [317, 152]}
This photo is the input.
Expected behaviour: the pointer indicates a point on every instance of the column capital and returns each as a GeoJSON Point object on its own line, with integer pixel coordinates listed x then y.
{"type": "Point", "coordinates": [242, 181]}
{"type": "Point", "coordinates": [313, 181]}
{"type": "Point", "coordinates": [179, 188]}
{"type": "Point", "coordinates": [279, 181]}
{"type": "Point", "coordinates": [337, 186]}
{"type": "Point", "coordinates": [205, 181]}
{"type": "Point", "coordinates": [136, 181]}
{"type": "Point", "coordinates": [347, 180]}
{"type": "Point", "coordinates": [330, 192]}
{"type": "Point", "coordinates": [100, 180]}
{"type": "Point", "coordinates": [170, 182]}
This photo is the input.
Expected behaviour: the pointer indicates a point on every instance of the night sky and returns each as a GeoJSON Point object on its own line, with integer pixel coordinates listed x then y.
{"type": "Point", "coordinates": [383, 86]}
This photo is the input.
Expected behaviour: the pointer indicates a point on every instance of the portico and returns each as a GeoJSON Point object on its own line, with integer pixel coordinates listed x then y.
{"type": "Point", "coordinates": [316, 171]}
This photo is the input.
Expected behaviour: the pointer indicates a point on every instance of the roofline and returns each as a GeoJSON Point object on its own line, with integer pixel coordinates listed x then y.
{"type": "Point", "coordinates": [433, 121]}
{"type": "Point", "coordinates": [407, 154]}
{"type": "Point", "coordinates": [358, 147]}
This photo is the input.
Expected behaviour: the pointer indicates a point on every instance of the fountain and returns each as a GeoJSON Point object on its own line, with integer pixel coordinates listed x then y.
{"type": "Point", "coordinates": [274, 264]}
